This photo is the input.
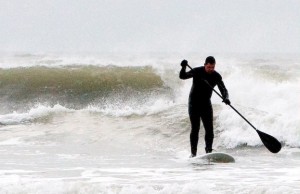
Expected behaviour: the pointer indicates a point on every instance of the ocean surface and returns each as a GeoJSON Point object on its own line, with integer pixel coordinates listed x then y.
{"type": "Point", "coordinates": [117, 123]}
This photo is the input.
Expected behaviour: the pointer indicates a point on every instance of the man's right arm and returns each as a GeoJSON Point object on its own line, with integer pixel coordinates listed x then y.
{"type": "Point", "coordinates": [183, 74]}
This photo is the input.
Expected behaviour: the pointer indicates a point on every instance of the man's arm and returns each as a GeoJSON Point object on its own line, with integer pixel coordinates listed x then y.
{"type": "Point", "coordinates": [224, 92]}
{"type": "Point", "coordinates": [183, 74]}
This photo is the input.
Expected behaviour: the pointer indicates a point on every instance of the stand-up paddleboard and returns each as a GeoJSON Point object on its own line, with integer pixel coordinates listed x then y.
{"type": "Point", "coordinates": [217, 157]}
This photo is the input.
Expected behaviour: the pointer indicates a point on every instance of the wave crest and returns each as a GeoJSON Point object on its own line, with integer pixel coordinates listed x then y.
{"type": "Point", "coordinates": [76, 86]}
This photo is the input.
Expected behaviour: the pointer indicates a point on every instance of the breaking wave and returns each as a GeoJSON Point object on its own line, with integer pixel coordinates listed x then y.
{"type": "Point", "coordinates": [77, 86]}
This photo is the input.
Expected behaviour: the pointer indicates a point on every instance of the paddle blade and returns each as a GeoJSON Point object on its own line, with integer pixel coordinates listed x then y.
{"type": "Point", "coordinates": [270, 142]}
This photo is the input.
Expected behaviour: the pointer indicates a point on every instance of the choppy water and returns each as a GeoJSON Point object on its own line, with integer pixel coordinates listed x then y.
{"type": "Point", "coordinates": [120, 125]}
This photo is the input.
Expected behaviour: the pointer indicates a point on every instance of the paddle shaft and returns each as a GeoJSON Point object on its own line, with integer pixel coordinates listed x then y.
{"type": "Point", "coordinates": [228, 104]}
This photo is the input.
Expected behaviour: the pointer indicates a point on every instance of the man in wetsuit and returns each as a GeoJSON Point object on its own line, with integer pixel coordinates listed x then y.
{"type": "Point", "coordinates": [199, 100]}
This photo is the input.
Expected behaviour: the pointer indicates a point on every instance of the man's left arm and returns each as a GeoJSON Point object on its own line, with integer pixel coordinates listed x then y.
{"type": "Point", "coordinates": [224, 92]}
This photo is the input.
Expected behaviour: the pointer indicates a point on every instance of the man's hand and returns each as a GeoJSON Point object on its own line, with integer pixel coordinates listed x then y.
{"type": "Point", "coordinates": [226, 101]}
{"type": "Point", "coordinates": [184, 63]}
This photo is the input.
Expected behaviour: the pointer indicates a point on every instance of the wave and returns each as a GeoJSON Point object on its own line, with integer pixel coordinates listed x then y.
{"type": "Point", "coordinates": [34, 114]}
{"type": "Point", "coordinates": [40, 112]}
{"type": "Point", "coordinates": [77, 86]}
{"type": "Point", "coordinates": [164, 120]}
{"type": "Point", "coordinates": [265, 94]}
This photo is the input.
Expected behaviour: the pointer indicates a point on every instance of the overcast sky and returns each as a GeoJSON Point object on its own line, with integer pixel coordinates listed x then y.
{"type": "Point", "coordinates": [150, 25]}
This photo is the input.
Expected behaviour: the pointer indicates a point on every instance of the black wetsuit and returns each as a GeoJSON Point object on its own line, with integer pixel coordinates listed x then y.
{"type": "Point", "coordinates": [200, 104]}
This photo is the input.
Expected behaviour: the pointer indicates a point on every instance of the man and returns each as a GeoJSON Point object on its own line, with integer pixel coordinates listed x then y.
{"type": "Point", "coordinates": [200, 106]}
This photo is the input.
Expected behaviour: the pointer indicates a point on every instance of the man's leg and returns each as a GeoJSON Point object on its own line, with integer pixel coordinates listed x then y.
{"type": "Point", "coordinates": [207, 120]}
{"type": "Point", "coordinates": [194, 135]}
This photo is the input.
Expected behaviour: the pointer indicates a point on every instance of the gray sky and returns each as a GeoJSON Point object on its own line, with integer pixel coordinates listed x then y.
{"type": "Point", "coordinates": [150, 25]}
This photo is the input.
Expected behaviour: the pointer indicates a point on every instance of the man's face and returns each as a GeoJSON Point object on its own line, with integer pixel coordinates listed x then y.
{"type": "Point", "coordinates": [209, 68]}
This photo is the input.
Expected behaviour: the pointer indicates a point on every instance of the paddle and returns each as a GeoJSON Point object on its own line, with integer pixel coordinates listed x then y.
{"type": "Point", "coordinates": [271, 143]}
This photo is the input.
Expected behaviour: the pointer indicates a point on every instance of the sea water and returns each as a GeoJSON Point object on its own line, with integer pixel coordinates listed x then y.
{"type": "Point", "coordinates": [119, 124]}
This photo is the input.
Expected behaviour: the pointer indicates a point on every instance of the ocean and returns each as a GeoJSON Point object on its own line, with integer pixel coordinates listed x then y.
{"type": "Point", "coordinates": [118, 123]}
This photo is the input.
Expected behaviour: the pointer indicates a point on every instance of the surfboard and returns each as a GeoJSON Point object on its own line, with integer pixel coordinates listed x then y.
{"type": "Point", "coordinates": [217, 157]}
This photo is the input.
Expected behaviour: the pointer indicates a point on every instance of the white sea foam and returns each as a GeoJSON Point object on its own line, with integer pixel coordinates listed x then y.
{"type": "Point", "coordinates": [39, 111]}
{"type": "Point", "coordinates": [84, 187]}
{"type": "Point", "coordinates": [269, 103]}
{"type": "Point", "coordinates": [123, 110]}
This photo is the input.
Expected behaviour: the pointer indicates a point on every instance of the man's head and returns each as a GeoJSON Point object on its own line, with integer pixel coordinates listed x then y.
{"type": "Point", "coordinates": [209, 64]}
